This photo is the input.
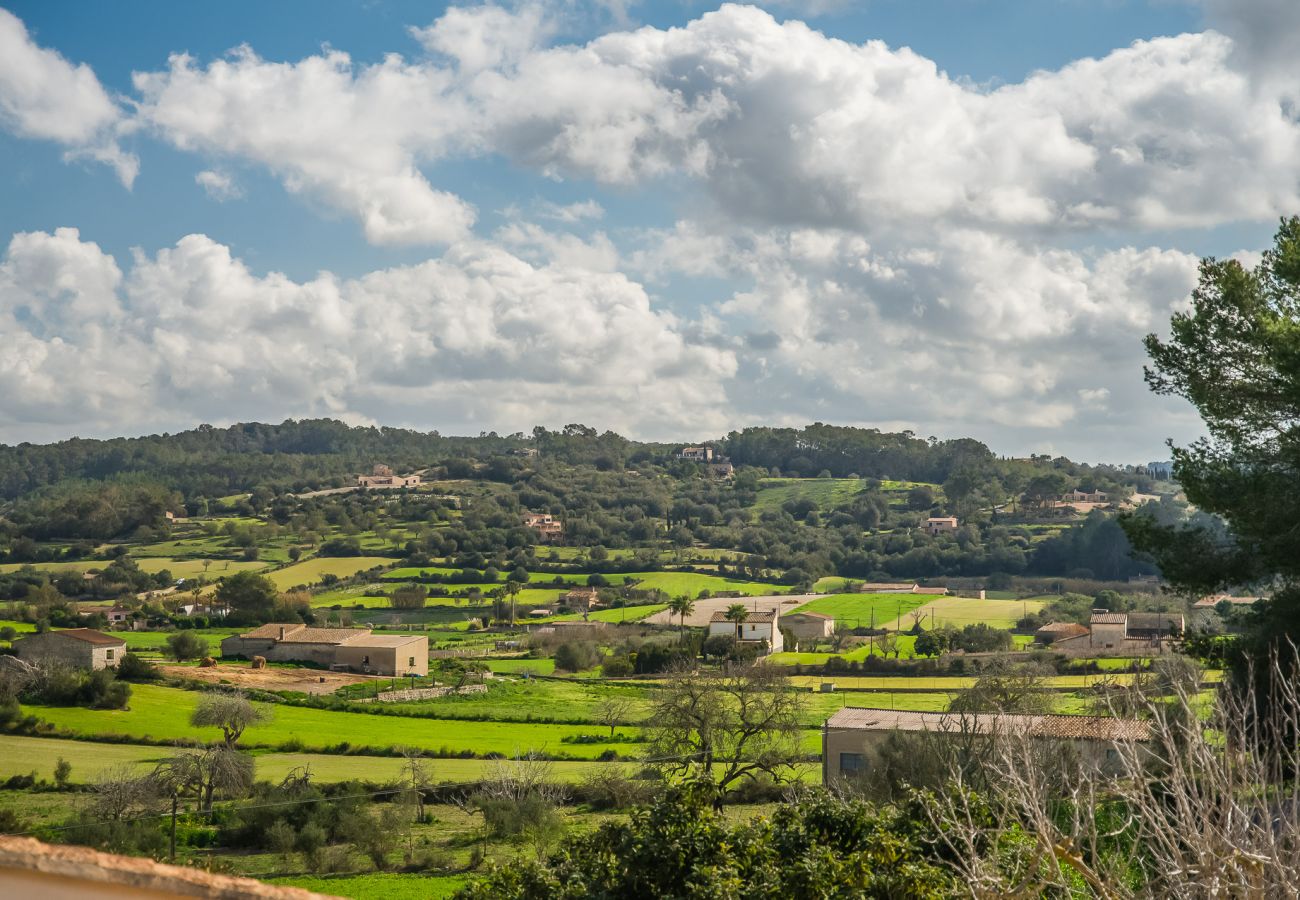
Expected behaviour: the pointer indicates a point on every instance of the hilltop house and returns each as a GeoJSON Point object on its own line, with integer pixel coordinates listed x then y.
{"type": "Point", "coordinates": [80, 648]}
{"type": "Point", "coordinates": [852, 737]}
{"type": "Point", "coordinates": [761, 627]}
{"type": "Point", "coordinates": [547, 528]}
{"type": "Point", "coordinates": [1078, 496]}
{"type": "Point", "coordinates": [382, 477]}
{"type": "Point", "coordinates": [696, 454]}
{"type": "Point", "coordinates": [937, 525]}
{"type": "Point", "coordinates": [348, 649]}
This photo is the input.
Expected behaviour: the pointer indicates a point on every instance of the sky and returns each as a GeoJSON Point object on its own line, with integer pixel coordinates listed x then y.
{"type": "Point", "coordinates": [958, 217]}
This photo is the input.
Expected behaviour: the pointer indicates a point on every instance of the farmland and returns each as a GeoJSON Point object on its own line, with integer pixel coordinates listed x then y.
{"type": "Point", "coordinates": [311, 571]}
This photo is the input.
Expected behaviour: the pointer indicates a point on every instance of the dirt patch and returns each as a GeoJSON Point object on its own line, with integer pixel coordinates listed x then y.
{"type": "Point", "coordinates": [309, 681]}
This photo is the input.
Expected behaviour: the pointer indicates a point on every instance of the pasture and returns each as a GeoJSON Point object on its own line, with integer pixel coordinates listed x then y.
{"type": "Point", "coordinates": [854, 610]}
{"type": "Point", "coordinates": [961, 611]}
{"type": "Point", "coordinates": [162, 714]}
{"type": "Point", "coordinates": [826, 493]}
{"type": "Point", "coordinates": [311, 571]}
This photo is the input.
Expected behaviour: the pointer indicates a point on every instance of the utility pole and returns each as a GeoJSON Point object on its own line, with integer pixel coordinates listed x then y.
{"type": "Point", "coordinates": [173, 834]}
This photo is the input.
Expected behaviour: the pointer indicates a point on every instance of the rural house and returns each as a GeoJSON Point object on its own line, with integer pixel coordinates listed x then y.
{"type": "Point", "coordinates": [696, 454]}
{"type": "Point", "coordinates": [762, 625]}
{"type": "Point", "coordinates": [937, 525]}
{"type": "Point", "coordinates": [547, 528]}
{"type": "Point", "coordinates": [1078, 496]}
{"type": "Point", "coordinates": [1123, 632]}
{"type": "Point", "coordinates": [581, 599]}
{"type": "Point", "coordinates": [80, 648]}
{"type": "Point", "coordinates": [809, 627]}
{"type": "Point", "coordinates": [1053, 632]}
{"type": "Point", "coordinates": [349, 649]}
{"type": "Point", "coordinates": [383, 477]}
{"type": "Point", "coordinates": [852, 737]}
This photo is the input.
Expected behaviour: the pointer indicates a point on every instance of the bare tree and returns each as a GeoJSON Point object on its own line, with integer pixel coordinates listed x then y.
{"type": "Point", "coordinates": [612, 711]}
{"type": "Point", "coordinates": [722, 726]}
{"type": "Point", "coordinates": [232, 713]}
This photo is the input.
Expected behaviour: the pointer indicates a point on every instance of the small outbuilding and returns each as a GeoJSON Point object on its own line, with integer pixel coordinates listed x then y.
{"type": "Point", "coordinates": [79, 648]}
{"type": "Point", "coordinates": [808, 626]}
{"type": "Point", "coordinates": [354, 649]}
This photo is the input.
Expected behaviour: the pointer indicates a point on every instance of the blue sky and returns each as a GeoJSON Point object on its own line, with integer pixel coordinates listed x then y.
{"type": "Point", "coordinates": [670, 219]}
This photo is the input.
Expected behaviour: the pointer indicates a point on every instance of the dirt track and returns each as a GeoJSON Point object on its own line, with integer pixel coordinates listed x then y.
{"type": "Point", "coordinates": [309, 681]}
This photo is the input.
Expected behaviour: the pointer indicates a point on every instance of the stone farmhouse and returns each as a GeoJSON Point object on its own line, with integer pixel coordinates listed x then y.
{"type": "Point", "coordinates": [1117, 633]}
{"type": "Point", "coordinates": [79, 648]}
{"type": "Point", "coordinates": [345, 649]}
{"type": "Point", "coordinates": [1078, 496]}
{"type": "Point", "coordinates": [762, 628]}
{"type": "Point", "coordinates": [852, 737]}
{"type": "Point", "coordinates": [383, 478]}
{"type": "Point", "coordinates": [581, 599]}
{"type": "Point", "coordinates": [937, 525]}
{"type": "Point", "coordinates": [808, 627]}
{"type": "Point", "coordinates": [547, 528]}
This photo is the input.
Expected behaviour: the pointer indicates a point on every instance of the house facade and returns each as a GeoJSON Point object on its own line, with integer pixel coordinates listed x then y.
{"type": "Point", "coordinates": [353, 649]}
{"type": "Point", "coordinates": [696, 454]}
{"type": "Point", "coordinates": [937, 525]}
{"type": "Point", "coordinates": [582, 599]}
{"type": "Point", "coordinates": [78, 648]}
{"type": "Point", "coordinates": [1078, 496]}
{"type": "Point", "coordinates": [762, 627]}
{"type": "Point", "coordinates": [382, 477]}
{"type": "Point", "coordinates": [808, 626]}
{"type": "Point", "coordinates": [548, 529]}
{"type": "Point", "coordinates": [853, 737]}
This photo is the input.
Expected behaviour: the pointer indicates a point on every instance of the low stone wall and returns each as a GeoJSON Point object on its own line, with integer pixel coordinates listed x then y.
{"type": "Point", "coordinates": [427, 693]}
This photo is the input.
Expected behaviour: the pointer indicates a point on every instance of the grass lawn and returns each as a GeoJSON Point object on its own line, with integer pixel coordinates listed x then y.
{"type": "Point", "coordinates": [853, 610]}
{"type": "Point", "coordinates": [534, 666]}
{"type": "Point", "coordinates": [78, 566]}
{"type": "Point", "coordinates": [193, 568]}
{"type": "Point", "coordinates": [960, 611]}
{"type": "Point", "coordinates": [20, 627]}
{"type": "Point", "coordinates": [827, 493]}
{"type": "Point", "coordinates": [521, 700]}
{"type": "Point", "coordinates": [24, 755]}
{"type": "Point", "coordinates": [676, 583]}
{"type": "Point", "coordinates": [310, 572]}
{"type": "Point", "coordinates": [156, 640]}
{"type": "Point", "coordinates": [163, 713]}
{"type": "Point", "coordinates": [379, 885]}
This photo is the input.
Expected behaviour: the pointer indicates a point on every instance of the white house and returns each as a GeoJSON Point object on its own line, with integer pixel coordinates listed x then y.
{"type": "Point", "coordinates": [760, 625]}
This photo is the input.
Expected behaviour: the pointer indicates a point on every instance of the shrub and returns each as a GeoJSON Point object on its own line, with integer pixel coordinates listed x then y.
{"type": "Point", "coordinates": [575, 656]}
{"type": "Point", "coordinates": [185, 645]}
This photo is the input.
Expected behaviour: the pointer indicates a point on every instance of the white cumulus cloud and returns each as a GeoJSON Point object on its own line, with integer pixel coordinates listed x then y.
{"type": "Point", "coordinates": [42, 95]}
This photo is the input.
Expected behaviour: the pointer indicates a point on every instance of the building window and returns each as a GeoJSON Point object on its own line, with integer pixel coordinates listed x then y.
{"type": "Point", "coordinates": [110, 655]}
{"type": "Point", "coordinates": [411, 662]}
{"type": "Point", "coordinates": [852, 763]}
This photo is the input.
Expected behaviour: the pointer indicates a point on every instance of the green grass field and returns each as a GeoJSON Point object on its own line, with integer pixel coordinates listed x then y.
{"type": "Point", "coordinates": [960, 611]}
{"type": "Point", "coordinates": [853, 610]}
{"type": "Point", "coordinates": [194, 568]}
{"type": "Point", "coordinates": [827, 493]}
{"type": "Point", "coordinates": [162, 713]}
{"type": "Point", "coordinates": [78, 566]}
{"type": "Point", "coordinates": [310, 571]}
{"type": "Point", "coordinates": [379, 885]}
{"type": "Point", "coordinates": [690, 583]}
{"type": "Point", "coordinates": [24, 755]}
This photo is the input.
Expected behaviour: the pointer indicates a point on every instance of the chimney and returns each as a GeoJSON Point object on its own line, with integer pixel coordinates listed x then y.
{"type": "Point", "coordinates": [281, 632]}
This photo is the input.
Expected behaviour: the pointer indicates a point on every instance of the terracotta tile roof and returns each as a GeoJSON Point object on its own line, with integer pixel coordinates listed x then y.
{"type": "Point", "coordinates": [89, 635]}
{"type": "Point", "coordinates": [1062, 629]}
{"type": "Point", "coordinates": [385, 640]}
{"type": "Point", "coordinates": [762, 615]}
{"type": "Point", "coordinates": [1093, 728]}
{"type": "Point", "coordinates": [297, 633]}
{"type": "Point", "coordinates": [1108, 618]}
{"type": "Point", "coordinates": [271, 630]}
{"type": "Point", "coordinates": [808, 614]}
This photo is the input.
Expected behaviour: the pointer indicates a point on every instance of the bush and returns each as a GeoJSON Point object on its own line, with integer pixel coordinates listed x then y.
{"type": "Point", "coordinates": [137, 669]}
{"type": "Point", "coordinates": [616, 667]}
{"type": "Point", "coordinates": [575, 656]}
{"type": "Point", "coordinates": [185, 645]}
